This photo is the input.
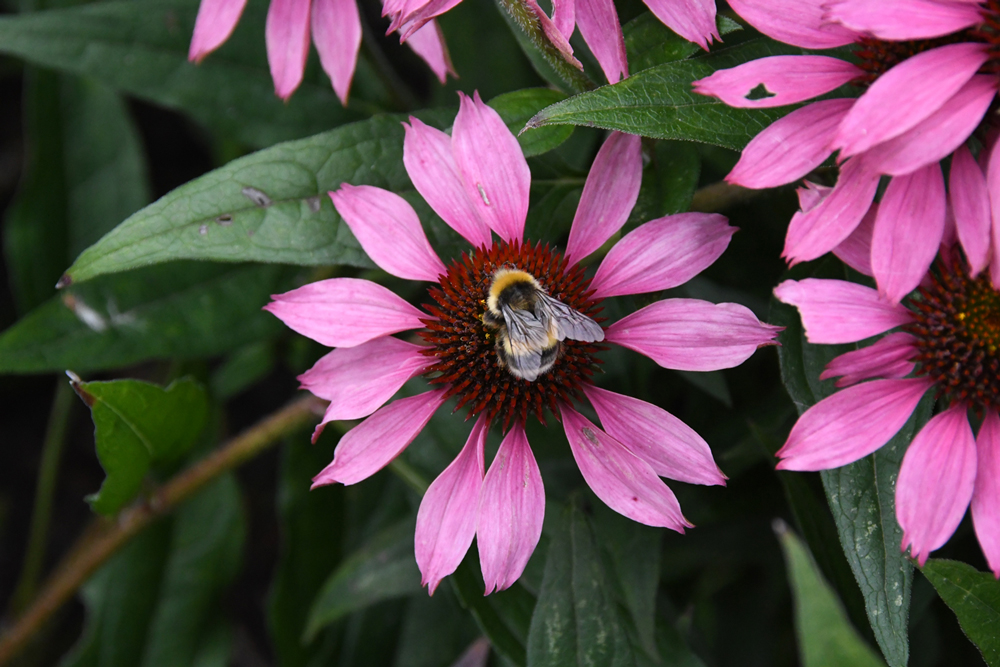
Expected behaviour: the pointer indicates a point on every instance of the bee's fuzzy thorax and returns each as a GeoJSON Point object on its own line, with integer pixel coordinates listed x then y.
{"type": "Point", "coordinates": [506, 278]}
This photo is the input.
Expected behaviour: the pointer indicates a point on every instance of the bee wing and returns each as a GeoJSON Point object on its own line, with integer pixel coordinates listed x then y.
{"type": "Point", "coordinates": [569, 323]}
{"type": "Point", "coordinates": [527, 365]}
{"type": "Point", "coordinates": [524, 330]}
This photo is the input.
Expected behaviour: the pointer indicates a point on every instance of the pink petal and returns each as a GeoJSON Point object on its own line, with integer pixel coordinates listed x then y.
{"type": "Point", "coordinates": [430, 163]}
{"type": "Point", "coordinates": [625, 482]}
{"type": "Point", "coordinates": [791, 146]}
{"type": "Point", "coordinates": [555, 35]}
{"type": "Point", "coordinates": [389, 230]}
{"type": "Point", "coordinates": [286, 35]}
{"type": "Point", "coordinates": [662, 253]}
{"type": "Point", "coordinates": [889, 357]}
{"type": "Point", "coordinates": [344, 312]}
{"type": "Point", "coordinates": [819, 230]}
{"type": "Point", "coordinates": [908, 231]}
{"type": "Point", "coordinates": [215, 23]}
{"type": "Point", "coordinates": [511, 510]}
{"type": "Point", "coordinates": [564, 16]}
{"type": "Point", "coordinates": [667, 444]}
{"type": "Point", "coordinates": [856, 249]}
{"type": "Point", "coordinates": [993, 185]}
{"type": "Point", "coordinates": [986, 497]}
{"type": "Point", "coordinates": [905, 19]}
{"type": "Point", "coordinates": [446, 521]}
{"type": "Point", "coordinates": [811, 195]}
{"type": "Point", "coordinates": [492, 166]}
{"type": "Point", "coordinates": [936, 482]}
{"type": "Point", "coordinates": [788, 79]}
{"type": "Point", "coordinates": [415, 15]}
{"type": "Point", "coordinates": [601, 30]}
{"type": "Point", "coordinates": [359, 380]}
{"type": "Point", "coordinates": [428, 43]}
{"type": "Point", "coordinates": [693, 335]}
{"type": "Point", "coordinates": [609, 194]}
{"type": "Point", "coordinates": [907, 94]}
{"type": "Point", "coordinates": [836, 311]}
{"type": "Point", "coordinates": [939, 134]}
{"type": "Point", "coordinates": [850, 424]}
{"type": "Point", "coordinates": [795, 22]}
{"type": "Point", "coordinates": [970, 204]}
{"type": "Point", "coordinates": [694, 20]}
{"type": "Point", "coordinates": [336, 28]}
{"type": "Point", "coordinates": [375, 442]}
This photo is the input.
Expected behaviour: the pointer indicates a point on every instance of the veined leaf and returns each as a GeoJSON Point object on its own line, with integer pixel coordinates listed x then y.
{"type": "Point", "coordinates": [648, 42]}
{"type": "Point", "coordinates": [975, 598]}
{"type": "Point", "coordinates": [517, 108]}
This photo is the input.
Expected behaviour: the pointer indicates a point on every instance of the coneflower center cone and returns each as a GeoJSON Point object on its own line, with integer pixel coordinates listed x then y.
{"type": "Point", "coordinates": [465, 348]}
{"type": "Point", "coordinates": [957, 326]}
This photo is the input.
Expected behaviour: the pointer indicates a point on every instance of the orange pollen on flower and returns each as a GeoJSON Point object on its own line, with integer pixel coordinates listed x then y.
{"type": "Point", "coordinates": [465, 348]}
{"type": "Point", "coordinates": [957, 325]}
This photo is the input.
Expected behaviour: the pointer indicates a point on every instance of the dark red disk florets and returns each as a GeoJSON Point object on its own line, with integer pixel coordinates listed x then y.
{"type": "Point", "coordinates": [465, 348]}
{"type": "Point", "coordinates": [957, 325]}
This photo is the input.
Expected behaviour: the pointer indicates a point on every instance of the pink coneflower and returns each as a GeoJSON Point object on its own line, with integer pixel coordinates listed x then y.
{"type": "Point", "coordinates": [334, 24]}
{"type": "Point", "coordinates": [928, 70]}
{"type": "Point", "coordinates": [946, 339]}
{"type": "Point", "coordinates": [477, 180]}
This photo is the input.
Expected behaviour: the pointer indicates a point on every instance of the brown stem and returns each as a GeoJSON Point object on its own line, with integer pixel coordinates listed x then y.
{"type": "Point", "coordinates": [103, 538]}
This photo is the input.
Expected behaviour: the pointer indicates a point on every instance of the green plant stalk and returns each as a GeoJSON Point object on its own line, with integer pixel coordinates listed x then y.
{"type": "Point", "coordinates": [41, 514]}
{"type": "Point", "coordinates": [102, 539]}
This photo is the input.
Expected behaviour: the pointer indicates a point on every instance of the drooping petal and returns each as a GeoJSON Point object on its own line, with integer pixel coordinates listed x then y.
{"type": "Point", "coordinates": [556, 37]}
{"type": "Point", "coordinates": [286, 35]}
{"type": "Point", "coordinates": [389, 230]}
{"type": "Point", "coordinates": [939, 134]}
{"type": "Point", "coordinates": [564, 16]}
{"type": "Point", "coordinates": [908, 231]}
{"type": "Point", "coordinates": [810, 195]}
{"type": "Point", "coordinates": [905, 19]}
{"type": "Point", "coordinates": [856, 249]}
{"type": "Point", "coordinates": [492, 166]}
{"type": "Point", "coordinates": [936, 482]}
{"type": "Point", "coordinates": [836, 311]}
{"type": "Point", "coordinates": [786, 80]}
{"type": "Point", "coordinates": [416, 14]}
{"type": "Point", "coordinates": [428, 43]}
{"type": "Point", "coordinates": [336, 29]}
{"type": "Point", "coordinates": [446, 521]}
{"type": "Point", "coordinates": [601, 30]}
{"type": "Point", "coordinates": [375, 442]}
{"type": "Point", "coordinates": [819, 230]}
{"type": "Point", "coordinates": [344, 312]}
{"type": "Point", "coordinates": [215, 23]}
{"type": "Point", "coordinates": [925, 81]}
{"type": "Point", "coordinates": [970, 204]}
{"type": "Point", "coordinates": [889, 357]}
{"type": "Point", "coordinates": [668, 445]}
{"type": "Point", "coordinates": [694, 20]}
{"type": "Point", "coordinates": [795, 22]}
{"type": "Point", "coordinates": [511, 511]}
{"type": "Point", "coordinates": [993, 185]}
{"type": "Point", "coordinates": [791, 146]}
{"type": "Point", "coordinates": [625, 482]}
{"type": "Point", "coordinates": [359, 380]}
{"type": "Point", "coordinates": [609, 194]}
{"type": "Point", "coordinates": [850, 424]}
{"type": "Point", "coordinates": [986, 497]}
{"type": "Point", "coordinates": [662, 253]}
{"type": "Point", "coordinates": [693, 335]}
{"type": "Point", "coordinates": [431, 165]}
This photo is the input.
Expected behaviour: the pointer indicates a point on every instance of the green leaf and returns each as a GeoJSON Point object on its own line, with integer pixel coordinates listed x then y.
{"type": "Point", "coordinates": [136, 424]}
{"type": "Point", "coordinates": [504, 617]}
{"type": "Point", "coordinates": [435, 631]}
{"type": "Point", "coordinates": [825, 636]}
{"type": "Point", "coordinates": [381, 569]}
{"type": "Point", "coordinates": [517, 108]}
{"type": "Point", "coordinates": [206, 549]}
{"type": "Point", "coordinates": [141, 49]}
{"type": "Point", "coordinates": [183, 310]}
{"type": "Point", "coordinates": [659, 102]}
{"type": "Point", "coordinates": [861, 495]}
{"type": "Point", "coordinates": [576, 621]}
{"type": "Point", "coordinates": [975, 598]}
{"type": "Point", "coordinates": [311, 543]}
{"type": "Point", "coordinates": [648, 42]}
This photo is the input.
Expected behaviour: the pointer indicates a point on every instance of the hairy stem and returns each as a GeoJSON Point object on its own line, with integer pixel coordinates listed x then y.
{"type": "Point", "coordinates": [104, 538]}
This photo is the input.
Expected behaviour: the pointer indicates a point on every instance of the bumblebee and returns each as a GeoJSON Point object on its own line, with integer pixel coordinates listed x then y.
{"type": "Point", "coordinates": [530, 325]}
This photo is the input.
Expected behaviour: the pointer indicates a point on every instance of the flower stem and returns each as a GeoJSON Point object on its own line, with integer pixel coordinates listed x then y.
{"type": "Point", "coordinates": [103, 538]}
